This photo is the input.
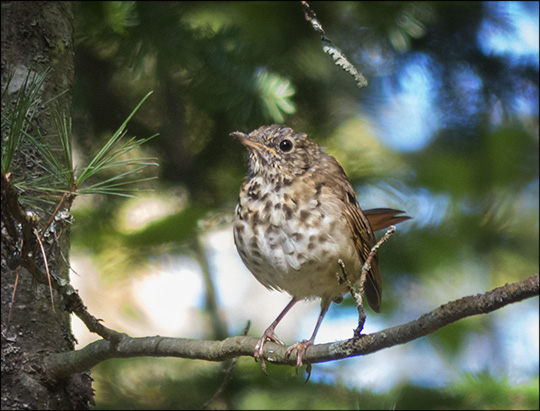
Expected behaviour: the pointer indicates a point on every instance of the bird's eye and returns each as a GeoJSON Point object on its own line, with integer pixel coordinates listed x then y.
{"type": "Point", "coordinates": [286, 146]}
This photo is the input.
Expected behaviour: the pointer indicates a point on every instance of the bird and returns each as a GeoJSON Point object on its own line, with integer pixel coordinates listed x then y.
{"type": "Point", "coordinates": [297, 219]}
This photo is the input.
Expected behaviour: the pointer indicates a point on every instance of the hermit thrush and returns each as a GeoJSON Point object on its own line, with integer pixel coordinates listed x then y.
{"type": "Point", "coordinates": [297, 217]}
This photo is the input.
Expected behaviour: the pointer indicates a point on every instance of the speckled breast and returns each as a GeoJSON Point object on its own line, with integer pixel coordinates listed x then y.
{"type": "Point", "coordinates": [291, 240]}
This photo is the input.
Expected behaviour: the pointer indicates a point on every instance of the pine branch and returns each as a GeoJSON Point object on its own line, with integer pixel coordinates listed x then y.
{"type": "Point", "coordinates": [59, 177]}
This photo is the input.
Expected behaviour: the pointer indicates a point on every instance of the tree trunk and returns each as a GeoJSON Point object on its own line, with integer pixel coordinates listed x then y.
{"type": "Point", "coordinates": [36, 36]}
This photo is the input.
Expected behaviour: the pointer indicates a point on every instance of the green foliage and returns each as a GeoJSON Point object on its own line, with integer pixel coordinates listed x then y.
{"type": "Point", "coordinates": [276, 93]}
{"type": "Point", "coordinates": [109, 157]}
{"type": "Point", "coordinates": [17, 115]}
{"type": "Point", "coordinates": [59, 176]}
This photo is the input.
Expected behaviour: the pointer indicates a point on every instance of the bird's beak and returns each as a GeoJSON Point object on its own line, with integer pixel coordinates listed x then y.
{"type": "Point", "coordinates": [244, 139]}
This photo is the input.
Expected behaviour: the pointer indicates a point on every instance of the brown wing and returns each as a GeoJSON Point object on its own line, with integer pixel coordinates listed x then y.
{"type": "Point", "coordinates": [361, 224]}
{"type": "Point", "coordinates": [381, 218]}
{"type": "Point", "coordinates": [364, 240]}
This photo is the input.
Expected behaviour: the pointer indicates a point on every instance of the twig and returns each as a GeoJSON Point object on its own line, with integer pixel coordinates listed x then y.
{"type": "Point", "coordinates": [13, 295]}
{"type": "Point", "coordinates": [367, 265]}
{"type": "Point", "coordinates": [365, 270]}
{"type": "Point", "coordinates": [356, 295]}
{"type": "Point", "coordinates": [74, 302]}
{"type": "Point", "coordinates": [55, 212]}
{"type": "Point", "coordinates": [46, 266]}
{"type": "Point", "coordinates": [329, 47]}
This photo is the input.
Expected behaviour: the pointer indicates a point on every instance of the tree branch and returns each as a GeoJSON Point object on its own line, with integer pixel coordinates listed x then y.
{"type": "Point", "coordinates": [61, 365]}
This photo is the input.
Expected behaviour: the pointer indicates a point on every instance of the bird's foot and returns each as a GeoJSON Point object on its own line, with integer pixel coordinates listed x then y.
{"type": "Point", "coordinates": [300, 348]}
{"type": "Point", "coordinates": [259, 347]}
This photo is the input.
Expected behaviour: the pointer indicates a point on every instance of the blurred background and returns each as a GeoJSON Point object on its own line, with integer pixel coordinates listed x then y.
{"type": "Point", "coordinates": [447, 130]}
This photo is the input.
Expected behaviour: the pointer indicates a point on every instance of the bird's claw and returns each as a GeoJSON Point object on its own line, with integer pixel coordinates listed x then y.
{"type": "Point", "coordinates": [300, 348]}
{"type": "Point", "coordinates": [258, 354]}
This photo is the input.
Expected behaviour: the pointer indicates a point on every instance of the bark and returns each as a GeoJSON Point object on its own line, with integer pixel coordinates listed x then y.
{"type": "Point", "coordinates": [36, 36]}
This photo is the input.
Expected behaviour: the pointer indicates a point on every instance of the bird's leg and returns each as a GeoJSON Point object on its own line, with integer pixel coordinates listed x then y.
{"type": "Point", "coordinates": [301, 346]}
{"type": "Point", "coordinates": [270, 335]}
